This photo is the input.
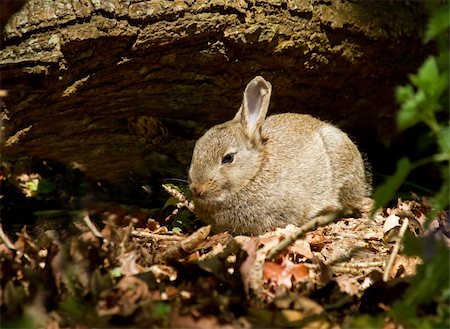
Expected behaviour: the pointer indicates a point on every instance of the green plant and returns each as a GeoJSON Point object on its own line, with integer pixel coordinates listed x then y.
{"type": "Point", "coordinates": [424, 101]}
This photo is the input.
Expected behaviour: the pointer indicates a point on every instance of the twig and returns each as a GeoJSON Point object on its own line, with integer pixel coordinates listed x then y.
{"type": "Point", "coordinates": [312, 225]}
{"type": "Point", "coordinates": [395, 249]}
{"type": "Point", "coordinates": [173, 214]}
{"type": "Point", "coordinates": [91, 226]}
{"type": "Point", "coordinates": [179, 196]}
{"type": "Point", "coordinates": [354, 268]}
{"type": "Point", "coordinates": [188, 244]}
{"type": "Point", "coordinates": [362, 264]}
{"type": "Point", "coordinates": [126, 236]}
{"type": "Point", "coordinates": [5, 239]}
{"type": "Point", "coordinates": [143, 234]}
{"type": "Point", "coordinates": [351, 265]}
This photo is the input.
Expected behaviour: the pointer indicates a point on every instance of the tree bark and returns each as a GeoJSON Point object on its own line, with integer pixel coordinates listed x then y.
{"type": "Point", "coordinates": [124, 86]}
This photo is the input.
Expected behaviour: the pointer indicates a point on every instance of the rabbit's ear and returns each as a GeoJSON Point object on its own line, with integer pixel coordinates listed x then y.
{"type": "Point", "coordinates": [254, 105]}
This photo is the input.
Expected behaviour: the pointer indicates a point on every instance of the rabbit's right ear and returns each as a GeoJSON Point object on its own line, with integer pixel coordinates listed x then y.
{"type": "Point", "coordinates": [254, 106]}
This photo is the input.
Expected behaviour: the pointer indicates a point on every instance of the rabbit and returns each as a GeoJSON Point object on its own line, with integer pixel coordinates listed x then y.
{"type": "Point", "coordinates": [253, 174]}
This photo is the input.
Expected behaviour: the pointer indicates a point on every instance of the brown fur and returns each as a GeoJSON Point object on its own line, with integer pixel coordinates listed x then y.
{"type": "Point", "coordinates": [287, 169]}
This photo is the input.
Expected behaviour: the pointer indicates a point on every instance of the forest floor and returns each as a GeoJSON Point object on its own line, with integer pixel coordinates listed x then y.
{"type": "Point", "coordinates": [111, 265]}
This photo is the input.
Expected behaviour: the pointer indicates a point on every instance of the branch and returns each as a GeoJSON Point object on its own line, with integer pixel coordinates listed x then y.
{"type": "Point", "coordinates": [396, 249]}
{"type": "Point", "coordinates": [5, 239]}
{"type": "Point", "coordinates": [180, 197]}
{"type": "Point", "coordinates": [91, 226]}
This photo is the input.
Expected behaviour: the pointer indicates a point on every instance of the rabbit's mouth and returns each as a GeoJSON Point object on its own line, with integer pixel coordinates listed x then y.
{"type": "Point", "coordinates": [209, 198]}
{"type": "Point", "coordinates": [206, 196]}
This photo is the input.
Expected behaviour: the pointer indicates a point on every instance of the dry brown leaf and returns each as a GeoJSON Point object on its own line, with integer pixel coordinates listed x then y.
{"type": "Point", "coordinates": [79, 247]}
{"type": "Point", "coordinates": [24, 243]}
{"type": "Point", "coordinates": [254, 278]}
{"type": "Point", "coordinates": [301, 247]}
{"type": "Point", "coordinates": [152, 225]}
{"type": "Point", "coordinates": [285, 273]}
{"type": "Point", "coordinates": [195, 239]}
{"type": "Point", "coordinates": [163, 272]}
{"type": "Point", "coordinates": [124, 298]}
{"type": "Point", "coordinates": [221, 260]}
{"type": "Point", "coordinates": [404, 266]}
{"type": "Point", "coordinates": [300, 303]}
{"type": "Point", "coordinates": [249, 245]}
{"type": "Point", "coordinates": [129, 265]}
{"type": "Point", "coordinates": [171, 292]}
{"type": "Point", "coordinates": [219, 238]}
{"type": "Point", "coordinates": [194, 257]}
{"type": "Point", "coordinates": [317, 239]}
{"type": "Point", "coordinates": [115, 235]}
{"type": "Point", "coordinates": [349, 284]}
{"type": "Point", "coordinates": [188, 244]}
{"type": "Point", "coordinates": [307, 306]}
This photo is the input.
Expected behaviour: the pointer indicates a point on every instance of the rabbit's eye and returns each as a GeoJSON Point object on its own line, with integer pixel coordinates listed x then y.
{"type": "Point", "coordinates": [228, 158]}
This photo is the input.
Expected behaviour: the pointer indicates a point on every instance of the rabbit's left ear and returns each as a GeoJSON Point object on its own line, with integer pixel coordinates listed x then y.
{"type": "Point", "coordinates": [254, 106]}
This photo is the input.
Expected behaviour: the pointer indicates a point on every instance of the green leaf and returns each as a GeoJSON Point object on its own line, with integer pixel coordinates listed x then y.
{"type": "Point", "coordinates": [22, 321]}
{"type": "Point", "coordinates": [432, 276]}
{"type": "Point", "coordinates": [386, 191]}
{"type": "Point", "coordinates": [116, 272]}
{"type": "Point", "coordinates": [173, 186]}
{"type": "Point", "coordinates": [439, 23]}
{"type": "Point", "coordinates": [100, 282]}
{"type": "Point", "coordinates": [161, 309]}
{"type": "Point", "coordinates": [427, 74]}
{"type": "Point", "coordinates": [413, 245]}
{"type": "Point", "coordinates": [440, 200]}
{"type": "Point", "coordinates": [408, 115]}
{"type": "Point", "coordinates": [45, 186]}
{"type": "Point", "coordinates": [404, 93]}
{"type": "Point", "coordinates": [76, 309]}
{"type": "Point", "coordinates": [32, 185]}
{"type": "Point", "coordinates": [439, 86]}
{"type": "Point", "coordinates": [366, 321]}
{"type": "Point", "coordinates": [444, 140]}
{"type": "Point", "coordinates": [171, 202]}
{"type": "Point", "coordinates": [443, 59]}
{"type": "Point", "coordinates": [14, 297]}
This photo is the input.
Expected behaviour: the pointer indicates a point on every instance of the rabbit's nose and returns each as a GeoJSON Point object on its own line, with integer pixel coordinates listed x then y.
{"type": "Point", "coordinates": [198, 189]}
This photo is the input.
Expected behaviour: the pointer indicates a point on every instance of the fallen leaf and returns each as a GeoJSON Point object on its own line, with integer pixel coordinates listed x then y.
{"type": "Point", "coordinates": [249, 245]}
{"type": "Point", "coordinates": [349, 284]}
{"type": "Point", "coordinates": [292, 315]}
{"type": "Point", "coordinates": [404, 266]}
{"type": "Point", "coordinates": [124, 298]}
{"type": "Point", "coordinates": [391, 222]}
{"type": "Point", "coordinates": [301, 247]}
{"type": "Point", "coordinates": [285, 273]}
{"type": "Point", "coordinates": [163, 272]}
{"type": "Point", "coordinates": [129, 266]}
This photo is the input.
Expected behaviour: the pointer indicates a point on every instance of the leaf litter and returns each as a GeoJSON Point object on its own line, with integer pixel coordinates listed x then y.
{"type": "Point", "coordinates": [132, 271]}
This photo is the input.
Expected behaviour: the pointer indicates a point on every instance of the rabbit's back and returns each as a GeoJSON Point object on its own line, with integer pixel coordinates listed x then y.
{"type": "Point", "coordinates": [310, 166]}
{"type": "Point", "coordinates": [319, 159]}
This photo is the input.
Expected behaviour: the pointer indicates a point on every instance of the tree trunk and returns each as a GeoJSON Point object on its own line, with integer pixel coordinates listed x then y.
{"type": "Point", "coordinates": [125, 86]}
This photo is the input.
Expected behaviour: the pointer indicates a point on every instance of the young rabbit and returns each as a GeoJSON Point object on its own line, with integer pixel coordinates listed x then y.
{"type": "Point", "coordinates": [253, 174]}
